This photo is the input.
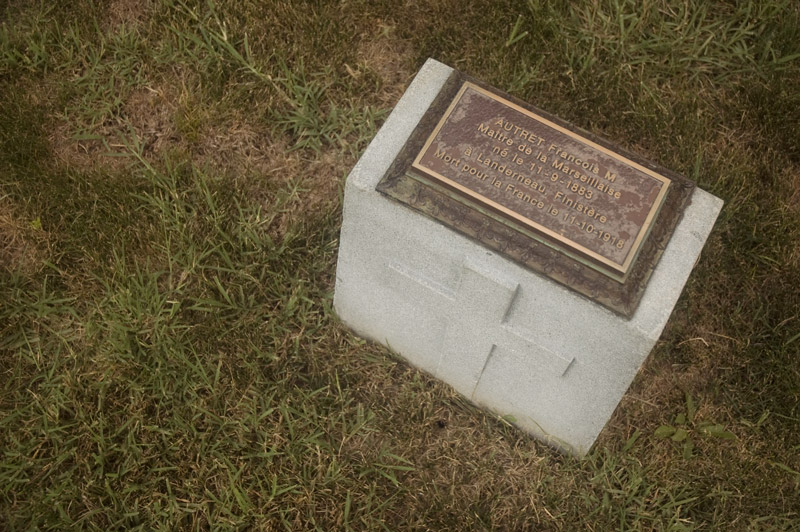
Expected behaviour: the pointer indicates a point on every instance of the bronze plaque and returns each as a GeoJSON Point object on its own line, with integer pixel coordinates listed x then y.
{"type": "Point", "coordinates": [582, 197]}
{"type": "Point", "coordinates": [533, 187]}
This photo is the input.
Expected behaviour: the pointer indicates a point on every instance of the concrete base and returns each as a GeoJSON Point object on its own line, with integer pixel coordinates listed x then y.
{"type": "Point", "coordinates": [504, 337]}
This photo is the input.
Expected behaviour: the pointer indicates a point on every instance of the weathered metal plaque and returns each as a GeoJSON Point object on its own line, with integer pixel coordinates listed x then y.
{"type": "Point", "coordinates": [585, 198]}
{"type": "Point", "coordinates": [529, 185]}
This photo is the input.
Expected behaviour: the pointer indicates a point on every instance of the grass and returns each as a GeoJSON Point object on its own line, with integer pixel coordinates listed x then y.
{"type": "Point", "coordinates": [170, 196]}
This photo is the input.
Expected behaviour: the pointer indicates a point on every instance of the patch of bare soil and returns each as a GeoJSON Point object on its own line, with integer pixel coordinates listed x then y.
{"type": "Point", "coordinates": [165, 118]}
{"type": "Point", "coordinates": [150, 112]}
{"type": "Point", "coordinates": [162, 117]}
{"type": "Point", "coordinates": [308, 184]}
{"type": "Point", "coordinates": [147, 117]}
{"type": "Point", "coordinates": [70, 151]}
{"type": "Point", "coordinates": [794, 208]}
{"type": "Point", "coordinates": [388, 57]}
{"type": "Point", "coordinates": [129, 13]}
{"type": "Point", "coordinates": [236, 146]}
{"type": "Point", "coordinates": [23, 244]}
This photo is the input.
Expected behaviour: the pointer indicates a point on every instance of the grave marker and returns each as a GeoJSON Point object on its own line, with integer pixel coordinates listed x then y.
{"type": "Point", "coordinates": [529, 264]}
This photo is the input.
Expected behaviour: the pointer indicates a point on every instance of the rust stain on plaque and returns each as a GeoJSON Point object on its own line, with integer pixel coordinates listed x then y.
{"type": "Point", "coordinates": [579, 197]}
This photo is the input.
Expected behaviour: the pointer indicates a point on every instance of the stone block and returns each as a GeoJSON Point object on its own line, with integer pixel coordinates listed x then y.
{"type": "Point", "coordinates": [506, 338]}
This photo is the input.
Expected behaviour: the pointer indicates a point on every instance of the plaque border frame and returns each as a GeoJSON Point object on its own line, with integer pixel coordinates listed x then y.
{"type": "Point", "coordinates": [562, 242]}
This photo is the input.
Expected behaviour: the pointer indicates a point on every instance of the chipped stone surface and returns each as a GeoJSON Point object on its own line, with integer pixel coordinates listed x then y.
{"type": "Point", "coordinates": [504, 337]}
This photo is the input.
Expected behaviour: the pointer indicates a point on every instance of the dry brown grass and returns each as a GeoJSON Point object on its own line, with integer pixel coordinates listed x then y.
{"type": "Point", "coordinates": [130, 13]}
{"type": "Point", "coordinates": [388, 57]}
{"type": "Point", "coordinates": [148, 115]}
{"type": "Point", "coordinates": [182, 359]}
{"type": "Point", "coordinates": [24, 245]}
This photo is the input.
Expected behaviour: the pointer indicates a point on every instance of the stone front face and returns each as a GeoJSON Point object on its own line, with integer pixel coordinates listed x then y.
{"type": "Point", "coordinates": [504, 337]}
{"type": "Point", "coordinates": [476, 314]}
